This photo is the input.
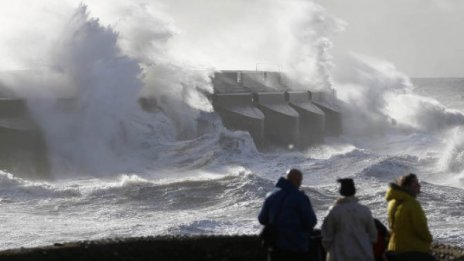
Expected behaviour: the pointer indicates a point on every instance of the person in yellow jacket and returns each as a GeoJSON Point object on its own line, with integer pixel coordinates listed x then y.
{"type": "Point", "coordinates": [410, 236]}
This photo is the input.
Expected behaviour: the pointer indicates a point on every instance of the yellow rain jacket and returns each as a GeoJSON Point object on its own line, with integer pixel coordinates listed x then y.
{"type": "Point", "coordinates": [407, 222]}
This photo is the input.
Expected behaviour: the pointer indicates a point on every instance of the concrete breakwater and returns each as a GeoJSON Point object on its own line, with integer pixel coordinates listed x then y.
{"type": "Point", "coordinates": [265, 105]}
{"type": "Point", "coordinates": [239, 247]}
{"type": "Point", "coordinates": [22, 147]}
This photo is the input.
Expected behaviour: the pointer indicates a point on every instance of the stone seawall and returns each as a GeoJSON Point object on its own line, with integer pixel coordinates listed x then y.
{"type": "Point", "coordinates": [226, 248]}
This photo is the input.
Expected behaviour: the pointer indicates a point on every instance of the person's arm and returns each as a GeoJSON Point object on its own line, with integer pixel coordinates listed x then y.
{"type": "Point", "coordinates": [327, 231]}
{"type": "Point", "coordinates": [263, 216]}
{"type": "Point", "coordinates": [371, 229]}
{"type": "Point", "coordinates": [419, 222]}
{"type": "Point", "coordinates": [391, 213]}
{"type": "Point", "coordinates": [310, 219]}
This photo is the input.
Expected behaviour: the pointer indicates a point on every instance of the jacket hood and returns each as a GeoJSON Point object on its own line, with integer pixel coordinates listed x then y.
{"type": "Point", "coordinates": [284, 184]}
{"type": "Point", "coordinates": [397, 193]}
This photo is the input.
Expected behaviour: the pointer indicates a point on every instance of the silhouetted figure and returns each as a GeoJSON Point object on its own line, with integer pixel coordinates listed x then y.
{"type": "Point", "coordinates": [348, 231]}
{"type": "Point", "coordinates": [291, 211]}
{"type": "Point", "coordinates": [410, 236]}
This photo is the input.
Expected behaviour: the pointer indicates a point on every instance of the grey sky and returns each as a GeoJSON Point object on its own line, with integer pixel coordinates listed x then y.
{"type": "Point", "coordinates": [421, 37]}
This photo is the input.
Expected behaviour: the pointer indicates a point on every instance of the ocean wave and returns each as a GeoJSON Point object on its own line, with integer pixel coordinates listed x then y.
{"type": "Point", "coordinates": [18, 189]}
{"type": "Point", "coordinates": [191, 192]}
{"type": "Point", "coordinates": [389, 168]}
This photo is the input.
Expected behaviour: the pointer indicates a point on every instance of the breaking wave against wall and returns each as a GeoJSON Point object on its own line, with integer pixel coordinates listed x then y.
{"type": "Point", "coordinates": [95, 74]}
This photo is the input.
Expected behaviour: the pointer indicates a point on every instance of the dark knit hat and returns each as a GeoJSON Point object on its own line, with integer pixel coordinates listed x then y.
{"type": "Point", "coordinates": [347, 187]}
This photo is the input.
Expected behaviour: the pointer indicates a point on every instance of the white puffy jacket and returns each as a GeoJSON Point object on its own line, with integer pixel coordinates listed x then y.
{"type": "Point", "coordinates": [348, 231]}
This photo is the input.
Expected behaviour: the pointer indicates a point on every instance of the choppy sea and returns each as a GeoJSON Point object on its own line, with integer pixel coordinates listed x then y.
{"type": "Point", "coordinates": [215, 184]}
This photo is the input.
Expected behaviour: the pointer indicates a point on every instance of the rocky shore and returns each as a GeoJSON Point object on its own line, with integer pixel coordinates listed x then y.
{"type": "Point", "coordinates": [224, 248]}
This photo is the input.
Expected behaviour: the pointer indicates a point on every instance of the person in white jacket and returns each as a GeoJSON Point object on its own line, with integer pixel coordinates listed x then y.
{"type": "Point", "coordinates": [348, 231]}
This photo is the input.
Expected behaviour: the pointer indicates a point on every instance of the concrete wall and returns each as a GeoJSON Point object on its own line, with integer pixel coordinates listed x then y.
{"type": "Point", "coordinates": [281, 122]}
{"type": "Point", "coordinates": [312, 119]}
{"type": "Point", "coordinates": [238, 112]}
{"type": "Point", "coordinates": [275, 115]}
{"type": "Point", "coordinates": [333, 119]}
{"type": "Point", "coordinates": [22, 147]}
{"type": "Point", "coordinates": [10, 108]}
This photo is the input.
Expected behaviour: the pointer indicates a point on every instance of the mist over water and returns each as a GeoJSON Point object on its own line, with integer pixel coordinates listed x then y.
{"type": "Point", "coordinates": [120, 170]}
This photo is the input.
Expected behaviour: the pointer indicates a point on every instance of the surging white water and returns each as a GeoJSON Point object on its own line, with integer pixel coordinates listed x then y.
{"type": "Point", "coordinates": [94, 124]}
{"type": "Point", "coordinates": [379, 100]}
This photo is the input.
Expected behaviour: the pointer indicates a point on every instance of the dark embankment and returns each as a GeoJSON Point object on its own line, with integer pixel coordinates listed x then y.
{"type": "Point", "coordinates": [167, 248]}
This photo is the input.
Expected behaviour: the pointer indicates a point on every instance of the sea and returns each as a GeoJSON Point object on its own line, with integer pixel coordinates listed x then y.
{"type": "Point", "coordinates": [119, 171]}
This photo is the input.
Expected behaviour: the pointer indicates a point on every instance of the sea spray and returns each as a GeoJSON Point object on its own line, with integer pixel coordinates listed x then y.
{"type": "Point", "coordinates": [29, 30]}
{"type": "Point", "coordinates": [377, 99]}
{"type": "Point", "coordinates": [173, 83]}
{"type": "Point", "coordinates": [451, 161]}
{"type": "Point", "coordinates": [364, 86]}
{"type": "Point", "coordinates": [89, 134]}
{"type": "Point", "coordinates": [309, 63]}
{"type": "Point", "coordinates": [423, 113]}
{"type": "Point", "coordinates": [86, 99]}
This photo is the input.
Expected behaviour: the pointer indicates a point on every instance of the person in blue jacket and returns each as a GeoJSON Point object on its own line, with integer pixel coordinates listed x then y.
{"type": "Point", "coordinates": [292, 213]}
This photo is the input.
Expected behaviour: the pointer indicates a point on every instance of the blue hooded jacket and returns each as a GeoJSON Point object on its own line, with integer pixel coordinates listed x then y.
{"type": "Point", "coordinates": [296, 220]}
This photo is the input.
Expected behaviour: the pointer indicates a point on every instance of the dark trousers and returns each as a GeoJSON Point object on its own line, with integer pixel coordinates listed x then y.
{"type": "Point", "coordinates": [410, 256]}
{"type": "Point", "coordinates": [282, 255]}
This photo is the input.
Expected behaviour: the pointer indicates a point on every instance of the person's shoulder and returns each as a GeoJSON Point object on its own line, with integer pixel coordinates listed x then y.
{"type": "Point", "coordinates": [365, 208]}
{"type": "Point", "coordinates": [337, 210]}
{"type": "Point", "coordinates": [301, 194]}
{"type": "Point", "coordinates": [361, 205]}
{"type": "Point", "coordinates": [413, 204]}
{"type": "Point", "coordinates": [272, 194]}
{"type": "Point", "coordinates": [298, 196]}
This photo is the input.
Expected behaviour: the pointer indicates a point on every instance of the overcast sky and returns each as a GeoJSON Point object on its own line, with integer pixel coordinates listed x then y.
{"type": "Point", "coordinates": [421, 37]}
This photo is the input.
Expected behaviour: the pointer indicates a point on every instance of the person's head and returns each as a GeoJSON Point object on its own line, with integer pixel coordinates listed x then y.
{"type": "Point", "coordinates": [410, 183]}
{"type": "Point", "coordinates": [347, 188]}
{"type": "Point", "coordinates": [295, 177]}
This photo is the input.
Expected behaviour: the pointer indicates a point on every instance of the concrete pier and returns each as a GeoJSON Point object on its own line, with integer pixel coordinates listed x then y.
{"type": "Point", "coordinates": [239, 113]}
{"type": "Point", "coordinates": [22, 148]}
{"type": "Point", "coordinates": [276, 114]}
{"type": "Point", "coordinates": [12, 108]}
{"type": "Point", "coordinates": [333, 119]}
{"type": "Point", "coordinates": [281, 122]}
{"type": "Point", "coordinates": [312, 119]}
